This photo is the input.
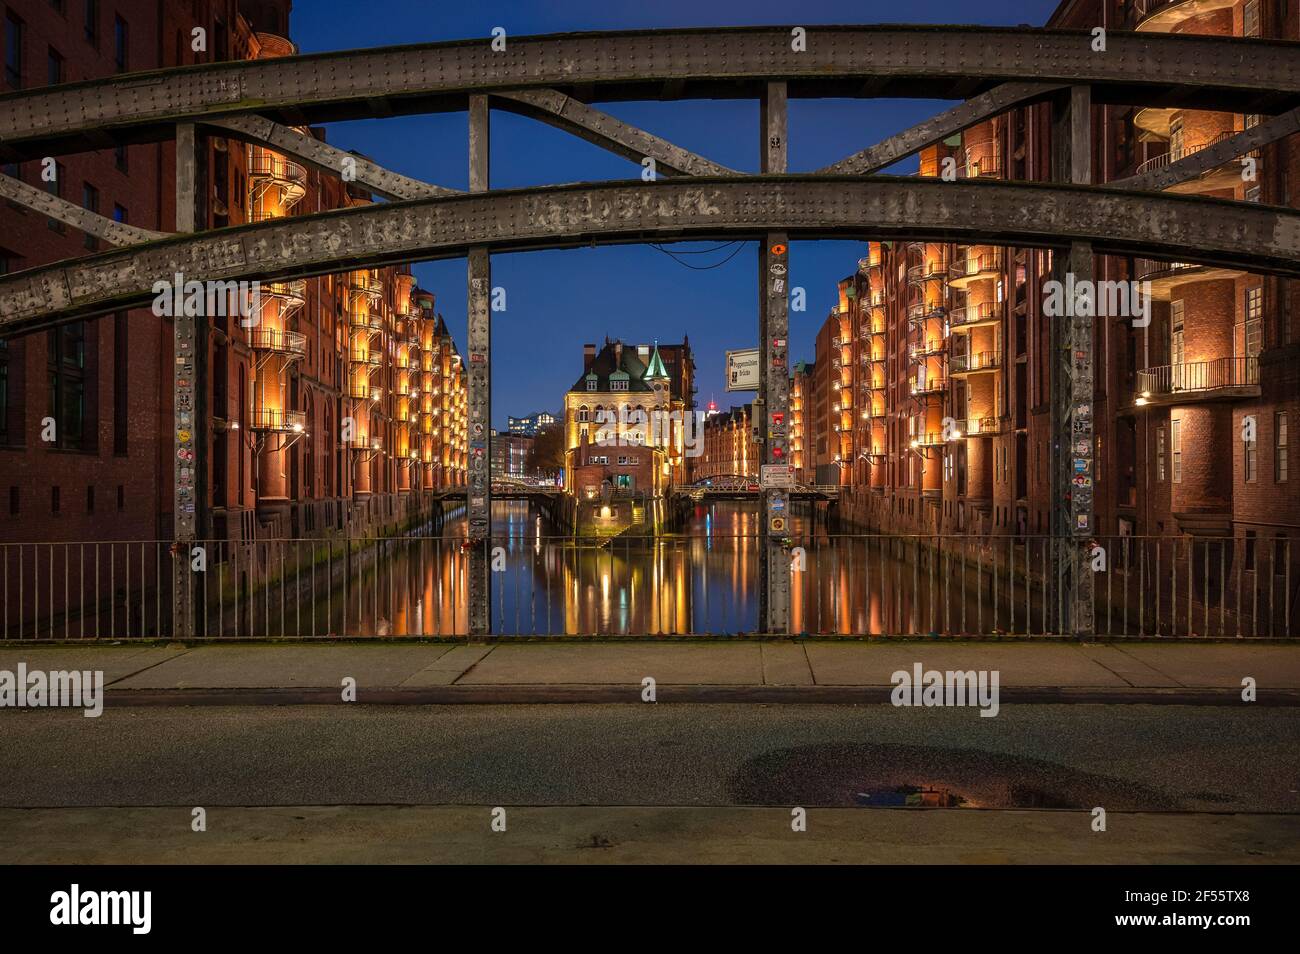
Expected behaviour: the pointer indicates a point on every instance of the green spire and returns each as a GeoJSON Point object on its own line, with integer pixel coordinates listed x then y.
{"type": "Point", "coordinates": [656, 367]}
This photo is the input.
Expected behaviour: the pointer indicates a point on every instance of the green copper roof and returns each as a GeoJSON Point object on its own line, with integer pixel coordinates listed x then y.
{"type": "Point", "coordinates": [656, 367]}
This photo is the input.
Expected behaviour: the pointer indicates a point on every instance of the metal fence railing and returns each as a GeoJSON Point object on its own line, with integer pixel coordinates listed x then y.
{"type": "Point", "coordinates": [1199, 376]}
{"type": "Point", "coordinates": [699, 584]}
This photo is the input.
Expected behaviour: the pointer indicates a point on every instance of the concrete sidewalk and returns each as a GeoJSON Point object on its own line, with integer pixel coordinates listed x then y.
{"type": "Point", "coordinates": [446, 834]}
{"type": "Point", "coordinates": [388, 672]}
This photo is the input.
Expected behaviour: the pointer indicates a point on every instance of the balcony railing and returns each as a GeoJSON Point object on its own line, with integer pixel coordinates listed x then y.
{"type": "Point", "coordinates": [281, 342]}
{"type": "Point", "coordinates": [976, 361]}
{"type": "Point", "coordinates": [973, 266]}
{"type": "Point", "coordinates": [928, 439]}
{"type": "Point", "coordinates": [933, 384]}
{"type": "Point", "coordinates": [981, 160]}
{"type": "Point", "coordinates": [1198, 376]}
{"type": "Point", "coordinates": [925, 272]}
{"type": "Point", "coordinates": [294, 291]}
{"type": "Point", "coordinates": [277, 420]}
{"type": "Point", "coordinates": [975, 314]}
{"type": "Point", "coordinates": [360, 390]}
{"type": "Point", "coordinates": [366, 320]}
{"type": "Point", "coordinates": [1147, 269]}
{"type": "Point", "coordinates": [263, 164]}
{"type": "Point", "coordinates": [366, 285]}
{"type": "Point", "coordinates": [927, 350]}
{"type": "Point", "coordinates": [982, 426]}
{"type": "Point", "coordinates": [1190, 149]}
{"type": "Point", "coordinates": [921, 311]}
{"type": "Point", "coordinates": [372, 358]}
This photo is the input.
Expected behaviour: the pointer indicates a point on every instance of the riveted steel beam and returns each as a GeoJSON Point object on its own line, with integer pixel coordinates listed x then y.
{"type": "Point", "coordinates": [284, 139]}
{"type": "Point", "coordinates": [772, 409]}
{"type": "Point", "coordinates": [937, 128]}
{"type": "Point", "coordinates": [61, 210]}
{"type": "Point", "coordinates": [1071, 342]}
{"type": "Point", "coordinates": [478, 389]}
{"type": "Point", "coordinates": [1211, 157]}
{"type": "Point", "coordinates": [189, 405]}
{"type": "Point", "coordinates": [564, 112]}
{"type": "Point", "coordinates": [1225, 73]}
{"type": "Point", "coordinates": [1192, 229]}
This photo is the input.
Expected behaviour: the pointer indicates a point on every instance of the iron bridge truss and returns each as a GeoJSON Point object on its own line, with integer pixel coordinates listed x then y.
{"type": "Point", "coordinates": [557, 78]}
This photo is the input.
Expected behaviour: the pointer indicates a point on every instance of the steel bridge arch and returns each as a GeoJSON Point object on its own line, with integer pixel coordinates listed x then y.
{"type": "Point", "coordinates": [945, 62]}
{"type": "Point", "coordinates": [1186, 228]}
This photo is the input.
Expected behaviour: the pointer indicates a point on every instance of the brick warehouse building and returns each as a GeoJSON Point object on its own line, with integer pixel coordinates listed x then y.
{"type": "Point", "coordinates": [941, 401]}
{"type": "Point", "coordinates": [729, 450]}
{"type": "Point", "coordinates": [343, 401]}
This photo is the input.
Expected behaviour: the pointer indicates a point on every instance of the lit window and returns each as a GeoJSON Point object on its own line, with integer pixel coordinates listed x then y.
{"type": "Point", "coordinates": [1254, 320]}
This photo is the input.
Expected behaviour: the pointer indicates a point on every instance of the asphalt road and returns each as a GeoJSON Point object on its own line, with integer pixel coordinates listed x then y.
{"type": "Point", "coordinates": [1127, 758]}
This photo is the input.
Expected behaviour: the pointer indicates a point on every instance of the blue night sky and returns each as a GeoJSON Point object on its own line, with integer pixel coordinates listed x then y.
{"type": "Point", "coordinates": [557, 300]}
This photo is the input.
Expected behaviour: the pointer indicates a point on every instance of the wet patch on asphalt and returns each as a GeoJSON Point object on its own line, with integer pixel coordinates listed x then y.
{"type": "Point", "coordinates": [865, 775]}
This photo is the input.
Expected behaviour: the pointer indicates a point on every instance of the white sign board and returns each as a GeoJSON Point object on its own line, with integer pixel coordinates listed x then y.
{"type": "Point", "coordinates": [744, 370]}
{"type": "Point", "coordinates": [775, 475]}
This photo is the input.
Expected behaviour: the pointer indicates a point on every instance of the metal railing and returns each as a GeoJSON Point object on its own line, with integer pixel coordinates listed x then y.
{"type": "Point", "coordinates": [294, 291]}
{"type": "Point", "coordinates": [1190, 149]}
{"type": "Point", "coordinates": [1199, 376]}
{"type": "Point", "coordinates": [981, 426]}
{"type": "Point", "coordinates": [925, 272]}
{"type": "Point", "coordinates": [263, 164]}
{"type": "Point", "coordinates": [970, 265]}
{"type": "Point", "coordinates": [276, 419]}
{"type": "Point", "coordinates": [924, 311]}
{"type": "Point", "coordinates": [366, 284]}
{"type": "Point", "coordinates": [1146, 268]}
{"type": "Point", "coordinates": [931, 385]}
{"type": "Point", "coordinates": [271, 339]}
{"type": "Point", "coordinates": [371, 357]}
{"type": "Point", "coordinates": [706, 584]}
{"type": "Point", "coordinates": [971, 314]}
{"type": "Point", "coordinates": [981, 160]}
{"type": "Point", "coordinates": [978, 361]}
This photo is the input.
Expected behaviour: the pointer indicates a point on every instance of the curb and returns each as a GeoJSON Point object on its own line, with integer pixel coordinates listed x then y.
{"type": "Point", "coordinates": [631, 695]}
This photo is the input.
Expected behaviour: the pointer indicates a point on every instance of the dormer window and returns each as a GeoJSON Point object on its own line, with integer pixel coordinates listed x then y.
{"type": "Point", "coordinates": [591, 383]}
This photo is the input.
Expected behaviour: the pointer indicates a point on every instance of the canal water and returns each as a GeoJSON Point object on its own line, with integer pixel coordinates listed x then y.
{"type": "Point", "coordinates": [704, 579]}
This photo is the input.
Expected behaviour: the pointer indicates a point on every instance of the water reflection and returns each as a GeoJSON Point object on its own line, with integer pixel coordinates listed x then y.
{"type": "Point", "coordinates": [704, 579]}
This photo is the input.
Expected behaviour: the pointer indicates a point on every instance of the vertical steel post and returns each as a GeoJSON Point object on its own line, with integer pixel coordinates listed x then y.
{"type": "Point", "coordinates": [1071, 336]}
{"type": "Point", "coordinates": [189, 380]}
{"type": "Point", "coordinates": [479, 394]}
{"type": "Point", "coordinates": [772, 411]}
